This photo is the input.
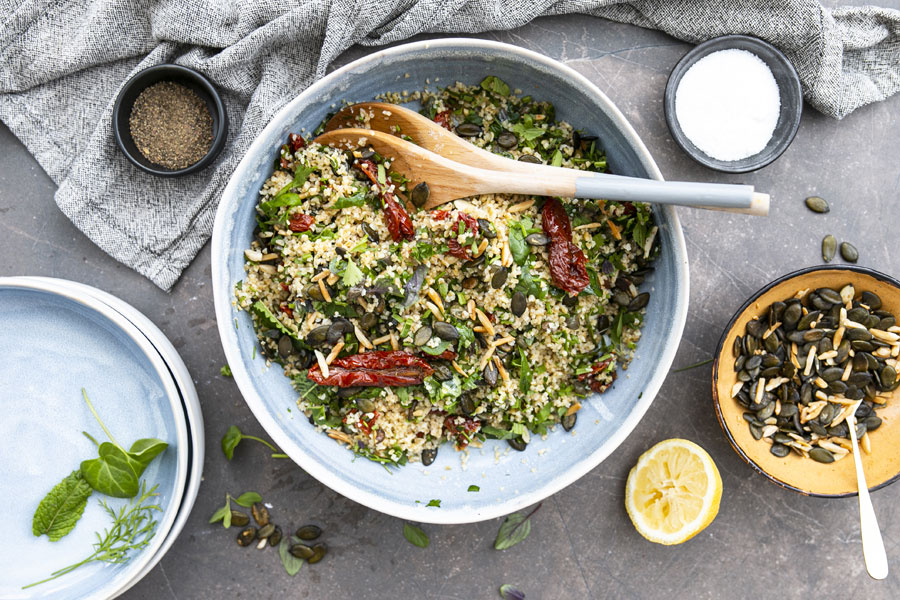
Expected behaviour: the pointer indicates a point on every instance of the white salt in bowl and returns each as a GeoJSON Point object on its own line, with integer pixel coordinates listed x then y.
{"type": "Point", "coordinates": [789, 113]}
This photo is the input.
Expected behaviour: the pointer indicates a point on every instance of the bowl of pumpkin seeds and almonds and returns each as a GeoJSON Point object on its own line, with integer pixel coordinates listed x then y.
{"type": "Point", "coordinates": [808, 355]}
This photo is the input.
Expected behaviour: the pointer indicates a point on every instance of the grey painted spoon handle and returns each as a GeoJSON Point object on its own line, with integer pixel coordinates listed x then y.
{"type": "Point", "coordinates": [872, 542]}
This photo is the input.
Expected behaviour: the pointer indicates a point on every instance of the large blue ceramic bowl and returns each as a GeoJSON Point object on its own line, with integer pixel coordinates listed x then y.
{"type": "Point", "coordinates": [507, 480]}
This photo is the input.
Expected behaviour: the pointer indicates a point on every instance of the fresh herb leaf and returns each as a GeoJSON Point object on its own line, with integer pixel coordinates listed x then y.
{"type": "Point", "coordinates": [693, 366]}
{"type": "Point", "coordinates": [557, 159]}
{"type": "Point", "coordinates": [524, 373]}
{"type": "Point", "coordinates": [268, 320]}
{"type": "Point", "coordinates": [248, 499]}
{"type": "Point", "coordinates": [290, 562]}
{"type": "Point", "coordinates": [415, 535]}
{"type": "Point", "coordinates": [223, 514]}
{"type": "Point", "coordinates": [495, 84]}
{"type": "Point", "coordinates": [517, 245]}
{"type": "Point", "coordinates": [113, 473]}
{"type": "Point", "coordinates": [497, 433]}
{"type": "Point", "coordinates": [514, 529]}
{"type": "Point", "coordinates": [233, 437]}
{"type": "Point", "coordinates": [466, 338]}
{"type": "Point", "coordinates": [357, 199]}
{"type": "Point", "coordinates": [508, 592]}
{"type": "Point", "coordinates": [474, 488]}
{"type": "Point", "coordinates": [436, 503]}
{"type": "Point", "coordinates": [352, 274]}
{"type": "Point", "coordinates": [225, 371]}
{"type": "Point", "coordinates": [132, 529]}
{"type": "Point", "coordinates": [146, 449]}
{"type": "Point", "coordinates": [439, 349]}
{"type": "Point", "coordinates": [270, 207]}
{"type": "Point", "coordinates": [530, 285]}
{"type": "Point", "coordinates": [61, 508]}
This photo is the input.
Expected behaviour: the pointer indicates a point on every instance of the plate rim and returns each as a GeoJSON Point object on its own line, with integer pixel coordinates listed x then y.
{"type": "Point", "coordinates": [326, 477]}
{"type": "Point", "coordinates": [110, 587]}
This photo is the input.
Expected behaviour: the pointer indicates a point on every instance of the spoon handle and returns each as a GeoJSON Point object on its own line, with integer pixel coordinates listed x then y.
{"type": "Point", "coordinates": [872, 543]}
{"type": "Point", "coordinates": [716, 196]}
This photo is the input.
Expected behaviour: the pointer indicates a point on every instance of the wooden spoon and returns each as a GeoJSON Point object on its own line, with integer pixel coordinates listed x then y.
{"type": "Point", "coordinates": [449, 180]}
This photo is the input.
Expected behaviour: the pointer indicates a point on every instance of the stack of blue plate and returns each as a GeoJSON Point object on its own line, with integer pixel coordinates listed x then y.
{"type": "Point", "coordinates": [57, 337]}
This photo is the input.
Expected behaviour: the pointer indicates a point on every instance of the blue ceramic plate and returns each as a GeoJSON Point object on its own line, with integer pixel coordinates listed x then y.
{"type": "Point", "coordinates": [189, 399]}
{"type": "Point", "coordinates": [507, 480]}
{"type": "Point", "coordinates": [54, 342]}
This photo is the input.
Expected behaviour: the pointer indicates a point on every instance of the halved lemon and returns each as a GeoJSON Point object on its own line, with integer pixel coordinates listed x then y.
{"type": "Point", "coordinates": [673, 492]}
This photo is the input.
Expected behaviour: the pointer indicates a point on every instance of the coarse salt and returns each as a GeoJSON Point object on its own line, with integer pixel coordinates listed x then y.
{"type": "Point", "coordinates": [728, 104]}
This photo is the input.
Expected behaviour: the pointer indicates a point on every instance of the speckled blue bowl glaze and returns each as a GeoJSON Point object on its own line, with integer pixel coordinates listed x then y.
{"type": "Point", "coordinates": [508, 480]}
{"type": "Point", "coordinates": [55, 341]}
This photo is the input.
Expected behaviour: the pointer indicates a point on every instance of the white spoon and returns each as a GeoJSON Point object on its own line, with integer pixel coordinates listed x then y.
{"type": "Point", "coordinates": [872, 544]}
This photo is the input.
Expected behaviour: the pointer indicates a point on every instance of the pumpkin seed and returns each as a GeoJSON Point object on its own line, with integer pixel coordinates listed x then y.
{"type": "Point", "coordinates": [830, 295]}
{"type": "Point", "coordinates": [568, 421]}
{"type": "Point", "coordinates": [265, 532]}
{"type": "Point", "coordinates": [829, 246]}
{"type": "Point", "coordinates": [490, 374]}
{"type": "Point", "coordinates": [302, 551]}
{"type": "Point", "coordinates": [468, 130]}
{"type": "Point", "coordinates": [316, 337]}
{"type": "Point", "coordinates": [537, 239]}
{"type": "Point", "coordinates": [319, 551]}
{"type": "Point", "coordinates": [246, 536]}
{"type": "Point", "coordinates": [260, 514]}
{"type": "Point", "coordinates": [498, 280]}
{"type": "Point", "coordinates": [639, 302]}
{"type": "Point", "coordinates": [507, 140]}
{"type": "Point", "coordinates": [420, 193]}
{"type": "Point", "coordinates": [422, 336]}
{"type": "Point", "coordinates": [817, 204]}
{"type": "Point", "coordinates": [309, 532]}
{"type": "Point", "coordinates": [275, 537]}
{"type": "Point", "coordinates": [428, 456]}
{"type": "Point", "coordinates": [872, 423]}
{"type": "Point", "coordinates": [780, 450]}
{"type": "Point", "coordinates": [871, 300]}
{"type": "Point", "coordinates": [821, 455]}
{"type": "Point", "coordinates": [446, 331]}
{"type": "Point", "coordinates": [528, 158]}
{"type": "Point", "coordinates": [238, 518]}
{"type": "Point", "coordinates": [849, 252]}
{"type": "Point", "coordinates": [370, 233]}
{"type": "Point", "coordinates": [517, 443]}
{"type": "Point", "coordinates": [519, 303]}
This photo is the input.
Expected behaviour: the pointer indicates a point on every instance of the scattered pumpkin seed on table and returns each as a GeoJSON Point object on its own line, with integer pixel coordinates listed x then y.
{"type": "Point", "coordinates": [829, 247]}
{"type": "Point", "coordinates": [817, 204]}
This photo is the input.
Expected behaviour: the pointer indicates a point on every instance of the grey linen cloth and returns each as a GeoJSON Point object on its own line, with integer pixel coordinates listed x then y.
{"type": "Point", "coordinates": [63, 62]}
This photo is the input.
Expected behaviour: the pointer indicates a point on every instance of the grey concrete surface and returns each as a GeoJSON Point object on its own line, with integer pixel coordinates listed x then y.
{"type": "Point", "coordinates": [766, 542]}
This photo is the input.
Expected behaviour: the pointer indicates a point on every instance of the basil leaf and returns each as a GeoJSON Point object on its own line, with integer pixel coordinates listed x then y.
{"type": "Point", "coordinates": [439, 349]}
{"type": "Point", "coordinates": [495, 84]}
{"type": "Point", "coordinates": [357, 199]}
{"type": "Point", "coordinates": [415, 535]}
{"type": "Point", "coordinates": [514, 529]}
{"type": "Point", "coordinates": [517, 245]}
{"type": "Point", "coordinates": [474, 488]}
{"type": "Point", "coordinates": [508, 592]}
{"type": "Point", "coordinates": [230, 441]}
{"type": "Point", "coordinates": [413, 286]}
{"type": "Point", "coordinates": [146, 449]}
{"type": "Point", "coordinates": [497, 433]}
{"type": "Point", "coordinates": [529, 285]}
{"type": "Point", "coordinates": [271, 206]}
{"type": "Point", "coordinates": [269, 320]}
{"type": "Point", "coordinates": [301, 173]}
{"type": "Point", "coordinates": [59, 511]}
{"type": "Point", "coordinates": [290, 562]}
{"type": "Point", "coordinates": [248, 498]}
{"type": "Point", "coordinates": [524, 373]}
{"type": "Point", "coordinates": [114, 473]}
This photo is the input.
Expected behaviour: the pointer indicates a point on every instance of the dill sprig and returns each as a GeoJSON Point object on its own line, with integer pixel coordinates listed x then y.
{"type": "Point", "coordinates": [133, 528]}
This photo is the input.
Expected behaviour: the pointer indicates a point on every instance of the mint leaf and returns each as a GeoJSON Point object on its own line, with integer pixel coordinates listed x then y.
{"type": "Point", "coordinates": [415, 536]}
{"type": "Point", "coordinates": [357, 199]}
{"type": "Point", "coordinates": [514, 529]}
{"type": "Point", "coordinates": [60, 509]}
{"type": "Point", "coordinates": [495, 84]}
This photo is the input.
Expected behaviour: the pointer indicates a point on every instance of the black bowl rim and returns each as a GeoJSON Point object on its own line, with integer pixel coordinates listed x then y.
{"type": "Point", "coordinates": [720, 346]}
{"type": "Point", "coordinates": [698, 52]}
{"type": "Point", "coordinates": [219, 136]}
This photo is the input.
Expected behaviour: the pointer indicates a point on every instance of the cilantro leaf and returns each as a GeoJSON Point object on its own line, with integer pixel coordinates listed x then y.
{"type": "Point", "coordinates": [352, 274]}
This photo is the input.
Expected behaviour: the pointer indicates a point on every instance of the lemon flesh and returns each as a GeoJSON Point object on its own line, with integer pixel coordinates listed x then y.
{"type": "Point", "coordinates": [673, 492]}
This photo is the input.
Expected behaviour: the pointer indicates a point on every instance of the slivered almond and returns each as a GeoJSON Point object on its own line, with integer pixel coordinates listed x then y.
{"type": "Point", "coordinates": [457, 368]}
{"type": "Point", "coordinates": [362, 337]}
{"type": "Point", "coordinates": [736, 388]}
{"type": "Point", "coordinates": [320, 276]}
{"type": "Point", "coordinates": [334, 352]}
{"type": "Point", "coordinates": [485, 322]}
{"type": "Point", "coordinates": [506, 255]}
{"type": "Point", "coordinates": [437, 312]}
{"type": "Point", "coordinates": [614, 229]}
{"type": "Point", "coordinates": [504, 375]}
{"type": "Point", "coordinates": [471, 308]}
{"type": "Point", "coordinates": [324, 291]}
{"type": "Point", "coordinates": [847, 370]}
{"type": "Point", "coordinates": [809, 361]}
{"type": "Point", "coordinates": [394, 345]}
{"type": "Point", "coordinates": [771, 330]}
{"type": "Point", "coordinates": [504, 340]}
{"type": "Point", "coordinates": [866, 443]}
{"type": "Point", "coordinates": [573, 409]}
{"type": "Point", "coordinates": [587, 226]}
{"type": "Point", "coordinates": [521, 206]}
{"type": "Point", "coordinates": [323, 366]}
{"type": "Point", "coordinates": [479, 329]}
{"type": "Point", "coordinates": [436, 298]}
{"type": "Point", "coordinates": [381, 340]}
{"type": "Point", "coordinates": [487, 356]}
{"type": "Point", "coordinates": [340, 436]}
{"type": "Point", "coordinates": [481, 248]}
{"type": "Point", "coordinates": [838, 336]}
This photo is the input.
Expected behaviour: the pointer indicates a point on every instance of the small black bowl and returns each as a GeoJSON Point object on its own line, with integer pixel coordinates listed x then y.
{"type": "Point", "coordinates": [788, 87]}
{"type": "Point", "coordinates": [186, 77]}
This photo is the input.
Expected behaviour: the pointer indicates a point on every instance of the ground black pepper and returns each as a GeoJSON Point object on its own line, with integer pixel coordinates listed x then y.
{"type": "Point", "coordinates": [171, 125]}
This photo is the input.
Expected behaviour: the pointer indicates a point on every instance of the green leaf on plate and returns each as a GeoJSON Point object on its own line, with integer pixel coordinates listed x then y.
{"type": "Point", "coordinates": [115, 473]}
{"type": "Point", "coordinates": [146, 449]}
{"type": "Point", "coordinates": [61, 508]}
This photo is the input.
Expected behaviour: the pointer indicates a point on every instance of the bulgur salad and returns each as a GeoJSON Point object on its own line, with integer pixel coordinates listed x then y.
{"type": "Point", "coordinates": [494, 317]}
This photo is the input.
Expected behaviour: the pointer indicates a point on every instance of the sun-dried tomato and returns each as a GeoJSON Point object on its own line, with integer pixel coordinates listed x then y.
{"type": "Point", "coordinates": [364, 425]}
{"type": "Point", "coordinates": [461, 431]}
{"type": "Point", "coordinates": [471, 223]}
{"type": "Point", "coordinates": [373, 369]}
{"type": "Point", "coordinates": [447, 354]}
{"type": "Point", "coordinates": [284, 161]}
{"type": "Point", "coordinates": [628, 208]}
{"type": "Point", "coordinates": [592, 378]}
{"type": "Point", "coordinates": [458, 250]}
{"type": "Point", "coordinates": [567, 262]}
{"type": "Point", "coordinates": [296, 141]}
{"type": "Point", "coordinates": [439, 215]}
{"type": "Point", "coordinates": [396, 218]}
{"type": "Point", "coordinates": [287, 310]}
{"type": "Point", "coordinates": [443, 119]}
{"type": "Point", "coordinates": [301, 222]}
{"type": "Point", "coordinates": [284, 286]}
